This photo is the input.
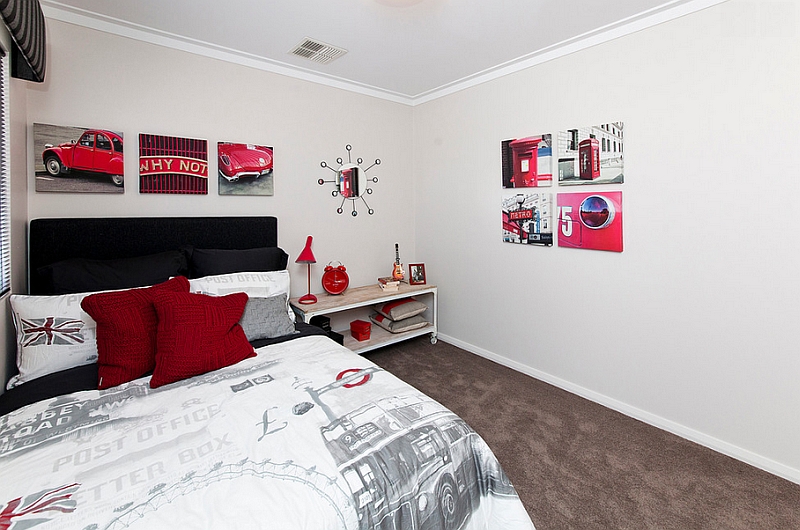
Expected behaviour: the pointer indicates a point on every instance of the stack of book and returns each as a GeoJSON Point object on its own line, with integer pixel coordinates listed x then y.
{"type": "Point", "coordinates": [388, 283]}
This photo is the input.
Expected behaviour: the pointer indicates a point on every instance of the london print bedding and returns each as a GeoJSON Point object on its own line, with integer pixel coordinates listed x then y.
{"type": "Point", "coordinates": [306, 435]}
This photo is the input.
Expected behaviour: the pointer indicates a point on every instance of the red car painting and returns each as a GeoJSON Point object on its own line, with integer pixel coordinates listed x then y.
{"type": "Point", "coordinates": [244, 160]}
{"type": "Point", "coordinates": [97, 151]}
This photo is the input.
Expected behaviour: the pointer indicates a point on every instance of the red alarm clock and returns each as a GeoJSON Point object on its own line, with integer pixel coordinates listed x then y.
{"type": "Point", "coordinates": [335, 279]}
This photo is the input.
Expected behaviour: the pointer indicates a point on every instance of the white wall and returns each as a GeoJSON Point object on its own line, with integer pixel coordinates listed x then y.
{"type": "Point", "coordinates": [693, 326]}
{"type": "Point", "coordinates": [96, 79]}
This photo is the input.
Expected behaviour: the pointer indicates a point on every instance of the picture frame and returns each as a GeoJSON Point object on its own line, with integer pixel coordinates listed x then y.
{"type": "Point", "coordinates": [416, 274]}
{"type": "Point", "coordinates": [528, 218]}
{"type": "Point", "coordinates": [592, 155]}
{"type": "Point", "coordinates": [590, 221]}
{"type": "Point", "coordinates": [78, 159]}
{"type": "Point", "coordinates": [245, 169]}
{"type": "Point", "coordinates": [528, 162]}
{"type": "Point", "coordinates": [169, 164]}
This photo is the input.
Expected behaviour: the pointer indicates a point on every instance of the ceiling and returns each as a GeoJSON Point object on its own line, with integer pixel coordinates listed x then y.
{"type": "Point", "coordinates": [409, 51]}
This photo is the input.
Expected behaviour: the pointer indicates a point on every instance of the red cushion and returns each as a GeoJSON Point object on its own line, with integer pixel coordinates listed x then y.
{"type": "Point", "coordinates": [198, 333]}
{"type": "Point", "coordinates": [126, 330]}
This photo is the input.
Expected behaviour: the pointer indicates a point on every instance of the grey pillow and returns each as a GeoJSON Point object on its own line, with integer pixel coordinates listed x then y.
{"type": "Point", "coordinates": [401, 309]}
{"type": "Point", "coordinates": [266, 318]}
{"type": "Point", "coordinates": [399, 326]}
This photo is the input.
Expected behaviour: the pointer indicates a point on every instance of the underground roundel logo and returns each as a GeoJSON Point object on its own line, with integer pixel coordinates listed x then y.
{"type": "Point", "coordinates": [360, 382]}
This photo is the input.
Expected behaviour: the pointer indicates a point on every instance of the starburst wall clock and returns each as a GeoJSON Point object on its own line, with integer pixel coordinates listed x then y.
{"type": "Point", "coordinates": [351, 182]}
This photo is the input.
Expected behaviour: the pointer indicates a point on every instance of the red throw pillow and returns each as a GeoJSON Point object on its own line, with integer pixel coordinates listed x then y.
{"type": "Point", "coordinates": [126, 330]}
{"type": "Point", "coordinates": [198, 333]}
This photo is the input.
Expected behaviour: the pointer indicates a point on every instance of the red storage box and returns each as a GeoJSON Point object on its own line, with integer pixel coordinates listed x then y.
{"type": "Point", "coordinates": [360, 329]}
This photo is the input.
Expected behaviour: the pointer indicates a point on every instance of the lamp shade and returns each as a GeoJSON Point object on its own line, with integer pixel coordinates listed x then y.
{"type": "Point", "coordinates": [306, 256]}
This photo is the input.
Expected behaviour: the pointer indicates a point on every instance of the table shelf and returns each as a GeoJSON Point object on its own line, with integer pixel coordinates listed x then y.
{"type": "Point", "coordinates": [360, 298]}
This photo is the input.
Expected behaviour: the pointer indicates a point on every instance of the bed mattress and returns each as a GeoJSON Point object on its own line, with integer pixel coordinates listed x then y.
{"type": "Point", "coordinates": [305, 435]}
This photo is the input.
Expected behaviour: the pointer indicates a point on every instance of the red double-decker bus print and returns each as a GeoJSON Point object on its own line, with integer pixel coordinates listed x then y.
{"type": "Point", "coordinates": [169, 164]}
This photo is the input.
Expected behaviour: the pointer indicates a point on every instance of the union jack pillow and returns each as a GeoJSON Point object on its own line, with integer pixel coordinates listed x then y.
{"type": "Point", "coordinates": [53, 333]}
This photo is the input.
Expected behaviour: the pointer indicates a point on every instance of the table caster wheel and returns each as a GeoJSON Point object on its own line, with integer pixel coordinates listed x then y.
{"type": "Point", "coordinates": [434, 340]}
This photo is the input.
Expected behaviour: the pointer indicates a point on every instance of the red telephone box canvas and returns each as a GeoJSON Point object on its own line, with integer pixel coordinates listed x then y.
{"type": "Point", "coordinates": [591, 155]}
{"type": "Point", "coordinates": [528, 219]}
{"type": "Point", "coordinates": [590, 221]}
{"type": "Point", "coordinates": [527, 162]}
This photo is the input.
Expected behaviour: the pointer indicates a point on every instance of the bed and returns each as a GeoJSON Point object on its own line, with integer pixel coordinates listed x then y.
{"type": "Point", "coordinates": [243, 418]}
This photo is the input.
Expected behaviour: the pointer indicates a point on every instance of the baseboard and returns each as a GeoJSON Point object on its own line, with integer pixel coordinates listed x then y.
{"type": "Point", "coordinates": [748, 457]}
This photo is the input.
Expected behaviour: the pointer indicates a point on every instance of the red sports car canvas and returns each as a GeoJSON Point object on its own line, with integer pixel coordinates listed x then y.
{"type": "Point", "coordinates": [245, 169]}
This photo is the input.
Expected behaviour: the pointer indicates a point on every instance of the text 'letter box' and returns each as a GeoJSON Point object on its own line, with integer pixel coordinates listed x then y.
{"type": "Point", "coordinates": [526, 162]}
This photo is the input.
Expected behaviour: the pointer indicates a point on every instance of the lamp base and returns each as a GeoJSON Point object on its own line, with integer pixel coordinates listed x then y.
{"type": "Point", "coordinates": [307, 299]}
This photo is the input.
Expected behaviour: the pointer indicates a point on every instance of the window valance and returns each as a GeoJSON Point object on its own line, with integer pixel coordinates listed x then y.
{"type": "Point", "coordinates": [25, 22]}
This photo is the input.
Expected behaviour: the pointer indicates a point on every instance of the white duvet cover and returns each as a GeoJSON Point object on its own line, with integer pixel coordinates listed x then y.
{"type": "Point", "coordinates": [306, 435]}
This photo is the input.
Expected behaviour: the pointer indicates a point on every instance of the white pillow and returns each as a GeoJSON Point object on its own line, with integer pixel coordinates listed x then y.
{"type": "Point", "coordinates": [255, 284]}
{"type": "Point", "coordinates": [53, 334]}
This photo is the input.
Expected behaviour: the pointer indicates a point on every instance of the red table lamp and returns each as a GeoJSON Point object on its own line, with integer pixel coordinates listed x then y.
{"type": "Point", "coordinates": [307, 257]}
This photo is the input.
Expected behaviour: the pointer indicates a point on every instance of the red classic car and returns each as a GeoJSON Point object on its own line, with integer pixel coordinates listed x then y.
{"type": "Point", "coordinates": [244, 160]}
{"type": "Point", "coordinates": [97, 151]}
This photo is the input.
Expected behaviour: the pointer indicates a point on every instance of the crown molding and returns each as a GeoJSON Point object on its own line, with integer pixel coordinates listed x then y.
{"type": "Point", "coordinates": [653, 17]}
{"type": "Point", "coordinates": [664, 13]}
{"type": "Point", "coordinates": [79, 17]}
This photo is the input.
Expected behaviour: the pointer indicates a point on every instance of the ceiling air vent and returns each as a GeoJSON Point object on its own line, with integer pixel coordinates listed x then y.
{"type": "Point", "coordinates": [317, 51]}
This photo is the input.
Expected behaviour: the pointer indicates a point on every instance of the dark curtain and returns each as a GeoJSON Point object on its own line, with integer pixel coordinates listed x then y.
{"type": "Point", "coordinates": [25, 22]}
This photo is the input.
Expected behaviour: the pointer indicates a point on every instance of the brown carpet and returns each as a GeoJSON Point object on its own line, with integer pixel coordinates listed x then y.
{"type": "Point", "coordinates": [577, 464]}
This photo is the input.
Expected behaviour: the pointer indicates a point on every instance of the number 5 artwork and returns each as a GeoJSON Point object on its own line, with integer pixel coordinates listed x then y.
{"type": "Point", "coordinates": [591, 221]}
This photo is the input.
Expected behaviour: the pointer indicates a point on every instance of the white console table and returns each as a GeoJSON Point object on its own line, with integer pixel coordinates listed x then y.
{"type": "Point", "coordinates": [358, 298]}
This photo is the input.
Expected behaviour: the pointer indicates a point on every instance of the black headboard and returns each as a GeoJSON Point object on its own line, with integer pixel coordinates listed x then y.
{"type": "Point", "coordinates": [52, 240]}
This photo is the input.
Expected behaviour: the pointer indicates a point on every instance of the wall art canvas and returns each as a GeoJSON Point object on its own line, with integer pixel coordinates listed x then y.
{"type": "Point", "coordinates": [528, 162]}
{"type": "Point", "coordinates": [77, 159]}
{"type": "Point", "coordinates": [591, 221]}
{"type": "Point", "coordinates": [528, 218]}
{"type": "Point", "coordinates": [591, 155]}
{"type": "Point", "coordinates": [168, 164]}
{"type": "Point", "coordinates": [245, 169]}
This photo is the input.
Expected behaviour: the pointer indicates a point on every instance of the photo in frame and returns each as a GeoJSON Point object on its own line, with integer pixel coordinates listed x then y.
{"type": "Point", "coordinates": [528, 162]}
{"type": "Point", "coordinates": [591, 155]}
{"type": "Point", "coordinates": [591, 221]}
{"type": "Point", "coordinates": [528, 218]}
{"type": "Point", "coordinates": [77, 159]}
{"type": "Point", "coordinates": [416, 274]}
{"type": "Point", "coordinates": [245, 169]}
{"type": "Point", "coordinates": [169, 164]}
